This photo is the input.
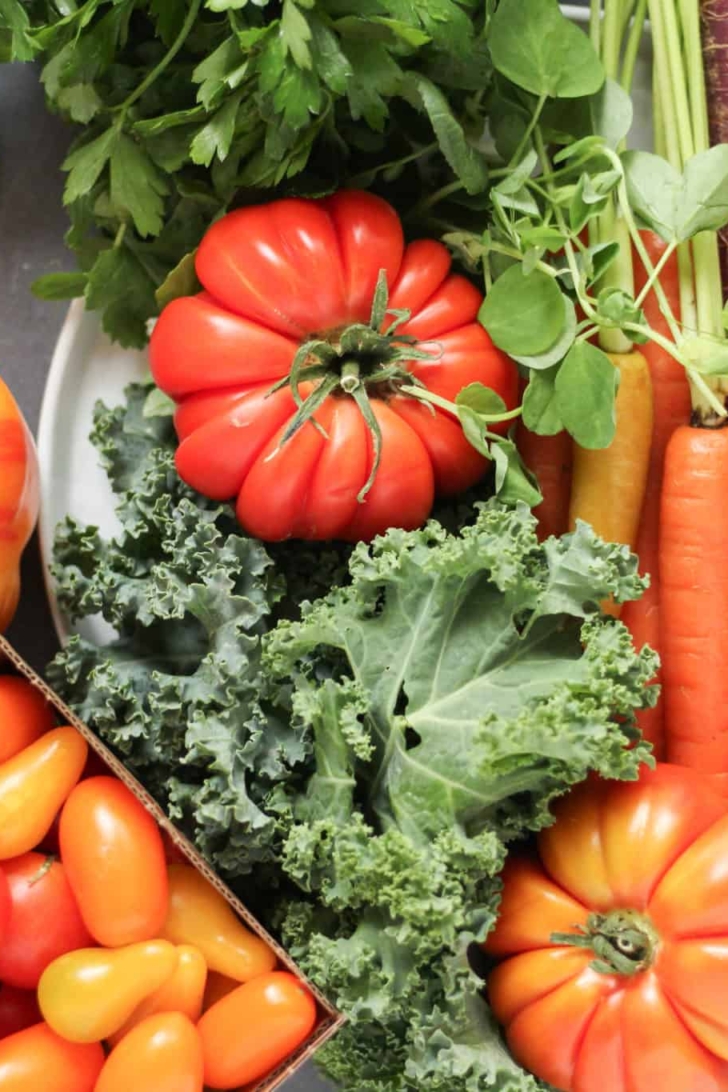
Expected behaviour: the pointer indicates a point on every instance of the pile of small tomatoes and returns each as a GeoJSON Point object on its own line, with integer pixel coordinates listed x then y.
{"type": "Point", "coordinates": [121, 967]}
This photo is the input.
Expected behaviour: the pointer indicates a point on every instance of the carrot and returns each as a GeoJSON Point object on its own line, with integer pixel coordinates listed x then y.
{"type": "Point", "coordinates": [671, 399]}
{"type": "Point", "coordinates": [608, 484]}
{"type": "Point", "coordinates": [550, 458]}
{"type": "Point", "coordinates": [694, 603]}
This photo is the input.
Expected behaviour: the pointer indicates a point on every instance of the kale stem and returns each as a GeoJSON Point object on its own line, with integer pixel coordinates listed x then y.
{"type": "Point", "coordinates": [169, 56]}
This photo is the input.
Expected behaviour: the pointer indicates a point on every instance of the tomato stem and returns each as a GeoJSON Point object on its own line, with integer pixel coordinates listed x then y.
{"type": "Point", "coordinates": [623, 941]}
{"type": "Point", "coordinates": [350, 377]}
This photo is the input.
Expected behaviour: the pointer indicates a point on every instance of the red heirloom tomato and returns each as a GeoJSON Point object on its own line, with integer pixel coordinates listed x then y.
{"type": "Point", "coordinates": [292, 284]}
{"type": "Point", "coordinates": [18, 1010]}
{"type": "Point", "coordinates": [45, 922]}
{"type": "Point", "coordinates": [614, 944]}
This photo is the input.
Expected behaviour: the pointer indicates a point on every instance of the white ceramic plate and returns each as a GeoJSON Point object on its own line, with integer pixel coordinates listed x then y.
{"type": "Point", "coordinates": [86, 367]}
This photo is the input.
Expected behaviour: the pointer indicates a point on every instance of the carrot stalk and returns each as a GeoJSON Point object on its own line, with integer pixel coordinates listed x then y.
{"type": "Point", "coordinates": [671, 399]}
{"type": "Point", "coordinates": [714, 21]}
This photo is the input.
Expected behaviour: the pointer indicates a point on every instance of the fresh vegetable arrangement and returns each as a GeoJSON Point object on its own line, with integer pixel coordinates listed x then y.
{"type": "Point", "coordinates": [409, 284]}
{"type": "Point", "coordinates": [105, 943]}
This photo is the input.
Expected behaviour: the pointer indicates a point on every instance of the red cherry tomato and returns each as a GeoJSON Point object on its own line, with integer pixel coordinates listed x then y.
{"type": "Point", "coordinates": [38, 1060]}
{"type": "Point", "coordinates": [18, 1010]}
{"type": "Point", "coordinates": [114, 858]}
{"type": "Point", "coordinates": [25, 715]}
{"type": "Point", "coordinates": [252, 1030]}
{"type": "Point", "coordinates": [293, 270]}
{"type": "Point", "coordinates": [45, 921]}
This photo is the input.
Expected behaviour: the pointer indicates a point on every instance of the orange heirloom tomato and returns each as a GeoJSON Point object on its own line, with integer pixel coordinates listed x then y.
{"type": "Point", "coordinates": [292, 284]}
{"type": "Point", "coordinates": [87, 995]}
{"type": "Point", "coordinates": [218, 986]}
{"type": "Point", "coordinates": [114, 857]}
{"type": "Point", "coordinates": [161, 1054]}
{"type": "Point", "coordinates": [614, 943]}
{"type": "Point", "coordinates": [199, 915]}
{"type": "Point", "coordinates": [183, 992]}
{"type": "Point", "coordinates": [25, 716]}
{"type": "Point", "coordinates": [256, 1027]}
{"type": "Point", "coordinates": [33, 786]}
{"type": "Point", "coordinates": [19, 499]}
{"type": "Point", "coordinates": [38, 1060]}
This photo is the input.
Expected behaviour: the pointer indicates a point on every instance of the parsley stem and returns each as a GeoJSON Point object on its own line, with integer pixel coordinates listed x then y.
{"type": "Point", "coordinates": [119, 237]}
{"type": "Point", "coordinates": [360, 179]}
{"type": "Point", "coordinates": [169, 56]}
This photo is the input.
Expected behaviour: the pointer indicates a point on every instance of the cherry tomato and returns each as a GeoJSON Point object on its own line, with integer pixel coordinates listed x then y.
{"type": "Point", "coordinates": [614, 944]}
{"type": "Point", "coordinates": [293, 270]}
{"type": "Point", "coordinates": [218, 986]}
{"type": "Point", "coordinates": [45, 922]}
{"type": "Point", "coordinates": [19, 499]}
{"type": "Point", "coordinates": [114, 857]}
{"type": "Point", "coordinates": [161, 1054]}
{"type": "Point", "coordinates": [182, 992]}
{"type": "Point", "coordinates": [87, 995]}
{"type": "Point", "coordinates": [256, 1027]}
{"type": "Point", "coordinates": [18, 1010]}
{"type": "Point", "coordinates": [199, 915]}
{"type": "Point", "coordinates": [33, 786]}
{"type": "Point", "coordinates": [38, 1060]}
{"type": "Point", "coordinates": [25, 715]}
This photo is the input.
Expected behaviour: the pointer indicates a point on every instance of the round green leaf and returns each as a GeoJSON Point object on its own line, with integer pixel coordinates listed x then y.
{"type": "Point", "coordinates": [524, 315]}
{"type": "Point", "coordinates": [586, 387]}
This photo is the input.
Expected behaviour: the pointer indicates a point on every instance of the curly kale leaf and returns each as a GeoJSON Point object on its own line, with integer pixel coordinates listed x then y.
{"type": "Point", "coordinates": [179, 693]}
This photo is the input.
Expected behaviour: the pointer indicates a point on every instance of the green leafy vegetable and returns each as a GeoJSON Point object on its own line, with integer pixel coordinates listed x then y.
{"type": "Point", "coordinates": [523, 313]}
{"type": "Point", "coordinates": [537, 47]}
{"type": "Point", "coordinates": [358, 761]}
{"type": "Point", "coordinates": [585, 387]}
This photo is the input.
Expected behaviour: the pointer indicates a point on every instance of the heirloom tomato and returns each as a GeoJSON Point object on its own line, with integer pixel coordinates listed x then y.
{"type": "Point", "coordinates": [18, 1010]}
{"type": "Point", "coordinates": [200, 916]}
{"type": "Point", "coordinates": [183, 992]}
{"type": "Point", "coordinates": [45, 922]}
{"type": "Point", "coordinates": [114, 857]}
{"type": "Point", "coordinates": [34, 784]}
{"type": "Point", "coordinates": [38, 1060]}
{"type": "Point", "coordinates": [321, 302]}
{"type": "Point", "coordinates": [87, 995]}
{"type": "Point", "coordinates": [613, 941]}
{"type": "Point", "coordinates": [25, 715]}
{"type": "Point", "coordinates": [19, 499]}
{"type": "Point", "coordinates": [252, 1030]}
{"type": "Point", "coordinates": [161, 1054]}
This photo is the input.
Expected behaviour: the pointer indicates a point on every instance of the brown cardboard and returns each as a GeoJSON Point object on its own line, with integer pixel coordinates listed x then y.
{"type": "Point", "coordinates": [329, 1019]}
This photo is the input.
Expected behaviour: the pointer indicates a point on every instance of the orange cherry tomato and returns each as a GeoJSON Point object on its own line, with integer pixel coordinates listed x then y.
{"type": "Point", "coordinates": [19, 498]}
{"type": "Point", "coordinates": [614, 944]}
{"type": "Point", "coordinates": [256, 1027]}
{"type": "Point", "coordinates": [183, 992]}
{"type": "Point", "coordinates": [25, 715]}
{"type": "Point", "coordinates": [87, 995]}
{"type": "Point", "coordinates": [114, 858]}
{"type": "Point", "coordinates": [18, 1010]}
{"type": "Point", "coordinates": [218, 986]}
{"type": "Point", "coordinates": [44, 921]}
{"type": "Point", "coordinates": [199, 915]}
{"type": "Point", "coordinates": [33, 786]}
{"type": "Point", "coordinates": [161, 1054]}
{"type": "Point", "coordinates": [38, 1060]}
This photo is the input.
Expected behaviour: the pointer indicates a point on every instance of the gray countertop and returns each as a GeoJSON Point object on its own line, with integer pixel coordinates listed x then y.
{"type": "Point", "coordinates": [32, 223]}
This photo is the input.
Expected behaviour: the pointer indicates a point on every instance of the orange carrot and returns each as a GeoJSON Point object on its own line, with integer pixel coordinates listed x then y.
{"type": "Point", "coordinates": [694, 600]}
{"type": "Point", "coordinates": [671, 399]}
{"type": "Point", "coordinates": [549, 457]}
